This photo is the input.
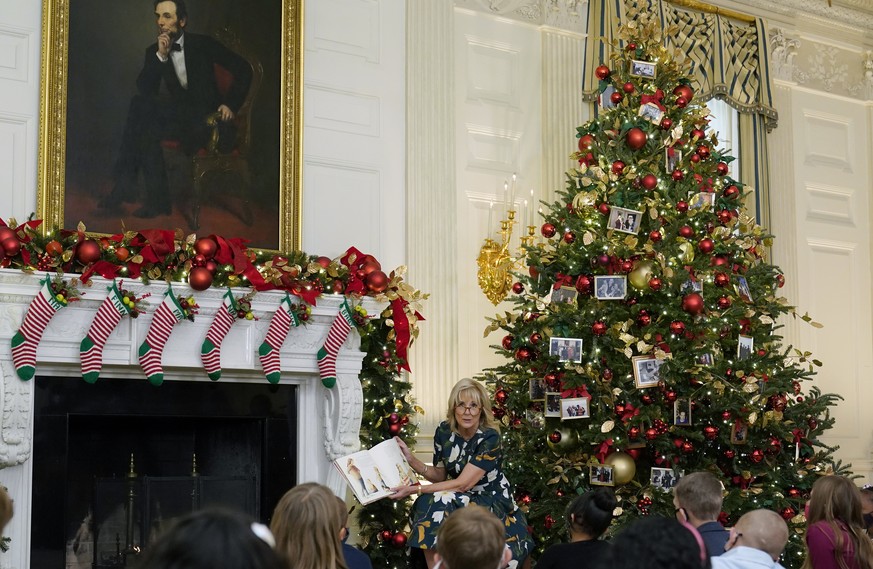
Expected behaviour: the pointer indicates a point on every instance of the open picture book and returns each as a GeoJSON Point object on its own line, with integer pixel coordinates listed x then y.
{"type": "Point", "coordinates": [372, 473]}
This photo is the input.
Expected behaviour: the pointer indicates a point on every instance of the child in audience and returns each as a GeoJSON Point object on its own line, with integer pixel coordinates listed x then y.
{"type": "Point", "coordinates": [588, 517]}
{"type": "Point", "coordinates": [307, 525]}
{"type": "Point", "coordinates": [656, 542]}
{"type": "Point", "coordinates": [213, 539]}
{"type": "Point", "coordinates": [355, 558]}
{"type": "Point", "coordinates": [835, 535]}
{"type": "Point", "coordinates": [472, 538]}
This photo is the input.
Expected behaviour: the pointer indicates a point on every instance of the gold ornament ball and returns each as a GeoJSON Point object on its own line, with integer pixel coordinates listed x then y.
{"type": "Point", "coordinates": [623, 467]}
{"type": "Point", "coordinates": [568, 441]}
{"type": "Point", "coordinates": [639, 277]}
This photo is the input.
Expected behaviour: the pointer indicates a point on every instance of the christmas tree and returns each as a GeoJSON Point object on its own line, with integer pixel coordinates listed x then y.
{"type": "Point", "coordinates": [645, 336]}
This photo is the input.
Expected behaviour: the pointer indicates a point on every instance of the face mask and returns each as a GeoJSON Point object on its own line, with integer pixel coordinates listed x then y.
{"type": "Point", "coordinates": [868, 520]}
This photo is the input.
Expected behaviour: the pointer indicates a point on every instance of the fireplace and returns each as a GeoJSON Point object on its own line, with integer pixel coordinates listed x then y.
{"type": "Point", "coordinates": [66, 446]}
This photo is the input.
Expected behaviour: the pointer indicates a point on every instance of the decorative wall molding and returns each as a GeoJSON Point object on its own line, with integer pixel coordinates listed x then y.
{"type": "Point", "coordinates": [857, 19]}
{"type": "Point", "coordinates": [567, 15]}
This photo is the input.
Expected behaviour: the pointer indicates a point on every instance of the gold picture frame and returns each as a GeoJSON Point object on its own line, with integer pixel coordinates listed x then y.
{"type": "Point", "coordinates": [59, 102]}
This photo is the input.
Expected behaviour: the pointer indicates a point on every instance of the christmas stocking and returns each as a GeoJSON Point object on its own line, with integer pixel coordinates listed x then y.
{"type": "Point", "coordinates": [210, 352]}
{"type": "Point", "coordinates": [280, 324]}
{"type": "Point", "coordinates": [337, 334]}
{"type": "Point", "coordinates": [110, 313]}
{"type": "Point", "coordinates": [166, 316]}
{"type": "Point", "coordinates": [25, 341]}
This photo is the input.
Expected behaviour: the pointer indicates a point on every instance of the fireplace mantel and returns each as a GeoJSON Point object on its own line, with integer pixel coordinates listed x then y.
{"type": "Point", "coordinates": [329, 420]}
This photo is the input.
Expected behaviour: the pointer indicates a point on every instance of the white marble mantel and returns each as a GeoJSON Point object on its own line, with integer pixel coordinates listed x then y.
{"type": "Point", "coordinates": [328, 420]}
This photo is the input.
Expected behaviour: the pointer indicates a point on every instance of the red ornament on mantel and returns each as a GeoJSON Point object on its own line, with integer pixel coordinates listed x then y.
{"type": "Point", "coordinates": [206, 246]}
{"type": "Point", "coordinates": [87, 252]}
{"type": "Point", "coordinates": [200, 278]}
{"type": "Point", "coordinates": [377, 281]}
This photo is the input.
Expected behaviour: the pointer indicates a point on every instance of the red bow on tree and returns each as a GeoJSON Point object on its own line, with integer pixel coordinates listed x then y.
{"type": "Point", "coordinates": [656, 99]}
{"type": "Point", "coordinates": [603, 450]}
{"type": "Point", "coordinates": [562, 280]}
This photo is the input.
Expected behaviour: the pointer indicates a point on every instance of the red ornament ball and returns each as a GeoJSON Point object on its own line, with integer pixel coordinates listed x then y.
{"type": "Point", "coordinates": [599, 328]}
{"type": "Point", "coordinates": [507, 342]}
{"type": "Point", "coordinates": [618, 167]}
{"type": "Point", "coordinates": [647, 399]}
{"type": "Point", "coordinates": [636, 138]}
{"type": "Point", "coordinates": [87, 252]}
{"type": "Point", "coordinates": [697, 133]}
{"type": "Point", "coordinates": [710, 432]}
{"type": "Point", "coordinates": [394, 429]}
{"type": "Point", "coordinates": [627, 266]}
{"type": "Point", "coordinates": [670, 396]}
{"type": "Point", "coordinates": [655, 284]}
{"type": "Point", "coordinates": [695, 158]}
{"type": "Point", "coordinates": [724, 302]}
{"type": "Point", "coordinates": [650, 181]}
{"type": "Point", "coordinates": [703, 150]}
{"type": "Point", "coordinates": [724, 216]}
{"type": "Point", "coordinates": [692, 303]}
{"type": "Point", "coordinates": [706, 245]}
{"type": "Point", "coordinates": [200, 278]}
{"type": "Point", "coordinates": [684, 91]}
{"type": "Point", "coordinates": [780, 280]}
{"type": "Point", "coordinates": [687, 447]}
{"type": "Point", "coordinates": [555, 437]}
{"type": "Point", "coordinates": [517, 288]}
{"type": "Point", "coordinates": [686, 231]}
{"type": "Point", "coordinates": [602, 72]}
{"type": "Point", "coordinates": [376, 281]}
{"type": "Point", "coordinates": [498, 412]}
{"type": "Point", "coordinates": [666, 123]}
{"type": "Point", "coordinates": [6, 233]}
{"type": "Point", "coordinates": [586, 142]}
{"type": "Point", "coordinates": [206, 246]}
{"type": "Point", "coordinates": [386, 535]}
{"type": "Point", "coordinates": [731, 192]}
{"type": "Point", "coordinates": [399, 540]}
{"type": "Point", "coordinates": [12, 246]}
{"type": "Point", "coordinates": [681, 102]}
{"type": "Point", "coordinates": [681, 206]}
{"type": "Point", "coordinates": [606, 374]}
{"type": "Point", "coordinates": [569, 237]}
{"type": "Point", "coordinates": [677, 175]}
{"type": "Point", "coordinates": [616, 97]}
{"type": "Point", "coordinates": [721, 279]}
{"type": "Point", "coordinates": [548, 230]}
{"type": "Point", "coordinates": [603, 208]}
{"type": "Point", "coordinates": [787, 513]}
{"type": "Point", "coordinates": [721, 169]}
{"type": "Point", "coordinates": [756, 456]}
{"type": "Point", "coordinates": [651, 434]}
{"type": "Point", "coordinates": [501, 396]}
{"type": "Point", "coordinates": [793, 492]}
{"type": "Point", "coordinates": [393, 418]}
{"type": "Point", "coordinates": [549, 522]}
{"type": "Point", "coordinates": [655, 235]}
{"type": "Point", "coordinates": [535, 338]}
{"type": "Point", "coordinates": [522, 354]}
{"type": "Point", "coordinates": [633, 432]}
{"type": "Point", "coordinates": [54, 248]}
{"type": "Point", "coordinates": [628, 87]}
{"type": "Point", "coordinates": [677, 327]}
{"type": "Point", "coordinates": [730, 454]}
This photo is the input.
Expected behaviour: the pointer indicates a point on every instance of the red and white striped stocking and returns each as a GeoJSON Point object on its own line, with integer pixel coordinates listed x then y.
{"type": "Point", "coordinates": [339, 331]}
{"type": "Point", "coordinates": [166, 316]}
{"type": "Point", "coordinates": [280, 324]}
{"type": "Point", "coordinates": [210, 352]}
{"type": "Point", "coordinates": [26, 340]}
{"type": "Point", "coordinates": [110, 313]}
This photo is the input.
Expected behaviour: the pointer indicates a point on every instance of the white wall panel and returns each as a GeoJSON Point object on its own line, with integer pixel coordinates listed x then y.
{"type": "Point", "coordinates": [354, 193]}
{"type": "Point", "coordinates": [14, 172]}
{"type": "Point", "coordinates": [827, 140]}
{"type": "Point", "coordinates": [342, 111]}
{"type": "Point", "coordinates": [14, 54]}
{"type": "Point", "coordinates": [492, 72]}
{"type": "Point", "coordinates": [828, 203]}
{"type": "Point", "coordinates": [351, 27]}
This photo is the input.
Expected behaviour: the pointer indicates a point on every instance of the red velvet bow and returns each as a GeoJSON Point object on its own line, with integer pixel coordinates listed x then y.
{"type": "Point", "coordinates": [354, 260]}
{"type": "Point", "coordinates": [562, 280]}
{"type": "Point", "coordinates": [401, 330]}
{"type": "Point", "coordinates": [656, 99]}
{"type": "Point", "coordinates": [603, 450]}
{"type": "Point", "coordinates": [628, 413]}
{"type": "Point", "coordinates": [105, 269]}
{"type": "Point", "coordinates": [571, 392]}
{"type": "Point", "coordinates": [155, 244]}
{"type": "Point", "coordinates": [798, 435]}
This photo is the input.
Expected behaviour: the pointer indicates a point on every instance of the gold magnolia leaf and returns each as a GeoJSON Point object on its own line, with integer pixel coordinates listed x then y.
{"type": "Point", "coordinates": [588, 238]}
{"type": "Point", "coordinates": [80, 227]}
{"type": "Point", "coordinates": [607, 426]}
{"type": "Point", "coordinates": [753, 416]}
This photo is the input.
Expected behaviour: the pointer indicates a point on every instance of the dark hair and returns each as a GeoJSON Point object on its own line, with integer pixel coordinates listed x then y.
{"type": "Point", "coordinates": [656, 542]}
{"type": "Point", "coordinates": [592, 512]}
{"type": "Point", "coordinates": [181, 10]}
{"type": "Point", "coordinates": [213, 538]}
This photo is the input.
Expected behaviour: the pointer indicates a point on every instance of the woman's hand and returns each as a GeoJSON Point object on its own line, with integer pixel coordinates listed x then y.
{"type": "Point", "coordinates": [401, 492]}
{"type": "Point", "coordinates": [407, 454]}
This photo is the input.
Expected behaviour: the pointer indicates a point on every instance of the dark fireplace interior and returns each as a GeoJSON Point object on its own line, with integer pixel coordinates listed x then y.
{"type": "Point", "coordinates": [114, 462]}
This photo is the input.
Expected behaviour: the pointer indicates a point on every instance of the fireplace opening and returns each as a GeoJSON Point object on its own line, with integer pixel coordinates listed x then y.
{"type": "Point", "coordinates": [116, 461]}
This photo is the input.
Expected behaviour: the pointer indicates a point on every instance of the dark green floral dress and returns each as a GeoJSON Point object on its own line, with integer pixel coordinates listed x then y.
{"type": "Point", "coordinates": [493, 491]}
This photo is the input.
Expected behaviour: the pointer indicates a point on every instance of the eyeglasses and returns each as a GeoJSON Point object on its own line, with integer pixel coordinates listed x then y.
{"type": "Point", "coordinates": [472, 409]}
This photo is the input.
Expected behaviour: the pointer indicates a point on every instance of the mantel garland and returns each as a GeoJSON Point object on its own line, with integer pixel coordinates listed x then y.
{"type": "Point", "coordinates": [216, 261]}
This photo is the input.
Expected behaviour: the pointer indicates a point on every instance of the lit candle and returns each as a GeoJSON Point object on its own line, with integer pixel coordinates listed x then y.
{"type": "Point", "coordinates": [523, 218]}
{"type": "Point", "coordinates": [512, 192]}
{"type": "Point", "coordinates": [506, 204]}
{"type": "Point", "coordinates": [530, 220]}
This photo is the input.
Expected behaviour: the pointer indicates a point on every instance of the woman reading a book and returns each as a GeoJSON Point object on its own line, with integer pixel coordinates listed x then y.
{"type": "Point", "coordinates": [467, 468]}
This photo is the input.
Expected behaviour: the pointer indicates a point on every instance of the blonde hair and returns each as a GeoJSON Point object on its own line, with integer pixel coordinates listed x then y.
{"type": "Point", "coordinates": [475, 391]}
{"type": "Point", "coordinates": [471, 538]}
{"type": "Point", "coordinates": [306, 524]}
{"type": "Point", "coordinates": [836, 499]}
